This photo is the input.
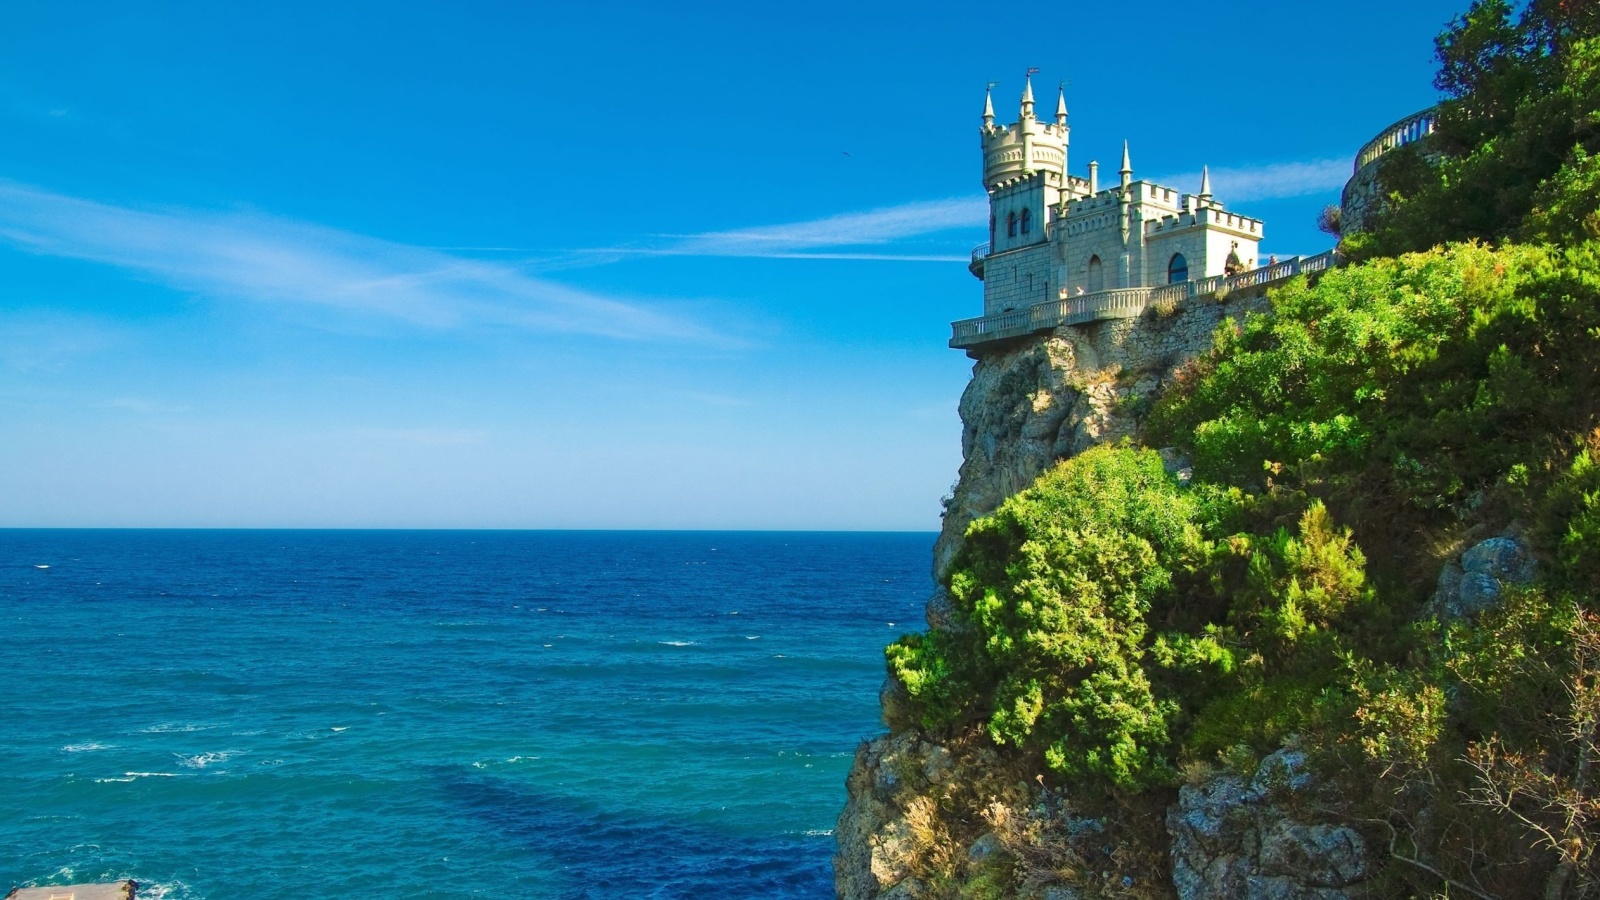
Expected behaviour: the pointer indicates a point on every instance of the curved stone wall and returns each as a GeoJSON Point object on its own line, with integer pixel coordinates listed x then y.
{"type": "Point", "coordinates": [1363, 195]}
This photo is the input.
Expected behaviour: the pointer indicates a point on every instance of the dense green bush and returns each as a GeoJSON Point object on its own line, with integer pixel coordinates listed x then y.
{"type": "Point", "coordinates": [1054, 590]}
{"type": "Point", "coordinates": [1107, 604]}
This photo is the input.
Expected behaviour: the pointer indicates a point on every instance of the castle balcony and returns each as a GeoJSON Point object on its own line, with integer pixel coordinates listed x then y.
{"type": "Point", "coordinates": [979, 253]}
{"type": "Point", "coordinates": [1122, 303]}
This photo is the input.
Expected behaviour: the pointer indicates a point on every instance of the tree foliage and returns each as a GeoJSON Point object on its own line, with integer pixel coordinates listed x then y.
{"type": "Point", "coordinates": [1512, 156]}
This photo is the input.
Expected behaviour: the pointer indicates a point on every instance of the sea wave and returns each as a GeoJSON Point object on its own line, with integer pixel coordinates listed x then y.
{"type": "Point", "coordinates": [175, 728]}
{"type": "Point", "coordinates": [678, 643]}
{"type": "Point", "coordinates": [202, 760]}
{"type": "Point", "coordinates": [85, 747]}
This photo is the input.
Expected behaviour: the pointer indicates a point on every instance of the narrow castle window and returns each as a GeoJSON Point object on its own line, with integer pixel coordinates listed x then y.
{"type": "Point", "coordinates": [1011, 224]}
{"type": "Point", "coordinates": [1097, 274]}
{"type": "Point", "coordinates": [1178, 269]}
{"type": "Point", "coordinates": [991, 232]}
{"type": "Point", "coordinates": [1027, 220]}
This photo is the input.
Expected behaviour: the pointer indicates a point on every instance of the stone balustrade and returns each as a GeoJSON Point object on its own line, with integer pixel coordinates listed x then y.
{"type": "Point", "coordinates": [1121, 303]}
{"type": "Point", "coordinates": [1363, 193]}
{"type": "Point", "coordinates": [1409, 130]}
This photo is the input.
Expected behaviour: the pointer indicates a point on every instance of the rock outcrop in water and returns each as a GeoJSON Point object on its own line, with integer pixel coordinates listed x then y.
{"type": "Point", "coordinates": [933, 818]}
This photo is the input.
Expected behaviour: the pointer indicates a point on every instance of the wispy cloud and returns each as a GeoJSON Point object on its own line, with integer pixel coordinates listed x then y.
{"type": "Point", "coordinates": [274, 260]}
{"type": "Point", "coordinates": [1272, 181]}
{"type": "Point", "coordinates": [38, 343]}
{"type": "Point", "coordinates": [874, 234]}
{"type": "Point", "coordinates": [874, 227]}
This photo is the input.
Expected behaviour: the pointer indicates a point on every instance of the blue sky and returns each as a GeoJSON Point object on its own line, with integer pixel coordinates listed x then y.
{"type": "Point", "coordinates": [577, 266]}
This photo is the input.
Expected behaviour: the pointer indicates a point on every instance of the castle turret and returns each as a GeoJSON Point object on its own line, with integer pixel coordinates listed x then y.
{"type": "Point", "coordinates": [1027, 147]}
{"type": "Point", "coordinates": [1025, 173]}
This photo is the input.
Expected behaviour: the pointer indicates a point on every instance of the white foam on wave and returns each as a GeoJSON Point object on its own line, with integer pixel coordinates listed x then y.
{"type": "Point", "coordinates": [175, 728]}
{"type": "Point", "coordinates": [338, 727]}
{"type": "Point", "coordinates": [156, 890]}
{"type": "Point", "coordinates": [151, 774]}
{"type": "Point", "coordinates": [85, 747]}
{"type": "Point", "coordinates": [678, 643]}
{"type": "Point", "coordinates": [109, 780]}
{"type": "Point", "coordinates": [752, 637]}
{"type": "Point", "coordinates": [201, 760]}
{"type": "Point", "coordinates": [41, 566]}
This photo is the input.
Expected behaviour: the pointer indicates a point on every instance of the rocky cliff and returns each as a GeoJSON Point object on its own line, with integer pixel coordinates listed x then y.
{"type": "Point", "coordinates": [952, 815]}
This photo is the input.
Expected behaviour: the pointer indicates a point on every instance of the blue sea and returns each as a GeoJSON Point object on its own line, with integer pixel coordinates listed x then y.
{"type": "Point", "coordinates": [283, 714]}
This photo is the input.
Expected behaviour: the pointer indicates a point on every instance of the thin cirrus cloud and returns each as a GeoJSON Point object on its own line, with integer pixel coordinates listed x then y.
{"type": "Point", "coordinates": [827, 237]}
{"type": "Point", "coordinates": [1273, 181]}
{"type": "Point", "coordinates": [272, 260]}
{"type": "Point", "coordinates": [831, 236]}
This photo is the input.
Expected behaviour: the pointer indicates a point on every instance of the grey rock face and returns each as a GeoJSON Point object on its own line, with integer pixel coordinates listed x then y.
{"type": "Point", "coordinates": [1232, 839]}
{"type": "Point", "coordinates": [1045, 398]}
{"type": "Point", "coordinates": [877, 842]}
{"type": "Point", "coordinates": [1476, 580]}
{"type": "Point", "coordinates": [985, 847]}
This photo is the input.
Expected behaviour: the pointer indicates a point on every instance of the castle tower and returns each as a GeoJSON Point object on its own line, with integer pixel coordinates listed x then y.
{"type": "Point", "coordinates": [1025, 174]}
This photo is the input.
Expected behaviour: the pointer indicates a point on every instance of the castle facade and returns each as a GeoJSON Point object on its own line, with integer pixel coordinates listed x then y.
{"type": "Point", "coordinates": [1053, 235]}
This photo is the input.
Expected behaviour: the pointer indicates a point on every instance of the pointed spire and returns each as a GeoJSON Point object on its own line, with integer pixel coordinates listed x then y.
{"type": "Point", "coordinates": [1205, 183]}
{"type": "Point", "coordinates": [1061, 107]}
{"type": "Point", "coordinates": [1027, 96]}
{"type": "Point", "coordinates": [988, 105]}
{"type": "Point", "coordinates": [1127, 165]}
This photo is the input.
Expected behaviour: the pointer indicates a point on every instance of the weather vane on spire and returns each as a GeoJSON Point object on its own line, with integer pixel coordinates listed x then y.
{"type": "Point", "coordinates": [1032, 71]}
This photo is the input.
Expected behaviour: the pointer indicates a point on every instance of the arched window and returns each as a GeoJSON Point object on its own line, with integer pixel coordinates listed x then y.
{"type": "Point", "coordinates": [1097, 274]}
{"type": "Point", "coordinates": [1178, 269]}
{"type": "Point", "coordinates": [1027, 221]}
{"type": "Point", "coordinates": [1011, 224]}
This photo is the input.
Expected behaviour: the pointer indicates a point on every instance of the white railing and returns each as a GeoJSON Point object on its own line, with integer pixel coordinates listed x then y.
{"type": "Point", "coordinates": [1122, 303]}
{"type": "Point", "coordinates": [1412, 128]}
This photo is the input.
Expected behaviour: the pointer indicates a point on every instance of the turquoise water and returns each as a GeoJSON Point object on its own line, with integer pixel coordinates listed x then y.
{"type": "Point", "coordinates": [225, 714]}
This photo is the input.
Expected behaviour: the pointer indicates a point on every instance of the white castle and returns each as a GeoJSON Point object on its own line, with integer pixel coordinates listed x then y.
{"type": "Point", "coordinates": [1054, 236]}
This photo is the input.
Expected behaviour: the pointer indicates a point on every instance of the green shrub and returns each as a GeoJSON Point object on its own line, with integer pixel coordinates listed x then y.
{"type": "Point", "coordinates": [1104, 605]}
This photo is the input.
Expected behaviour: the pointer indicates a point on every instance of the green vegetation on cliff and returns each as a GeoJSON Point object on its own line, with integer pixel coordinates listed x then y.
{"type": "Point", "coordinates": [1119, 622]}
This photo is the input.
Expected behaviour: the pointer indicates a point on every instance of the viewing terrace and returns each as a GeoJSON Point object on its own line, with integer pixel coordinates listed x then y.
{"type": "Point", "coordinates": [1122, 303]}
{"type": "Point", "coordinates": [1409, 130]}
